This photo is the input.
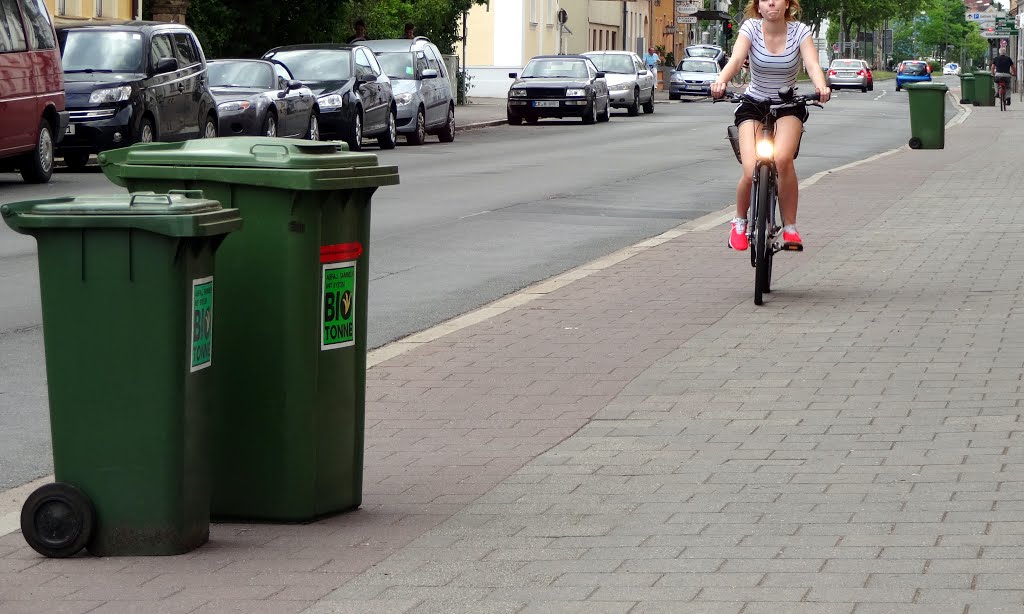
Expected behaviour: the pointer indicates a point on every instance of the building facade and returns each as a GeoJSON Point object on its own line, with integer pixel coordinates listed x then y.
{"type": "Point", "coordinates": [112, 9]}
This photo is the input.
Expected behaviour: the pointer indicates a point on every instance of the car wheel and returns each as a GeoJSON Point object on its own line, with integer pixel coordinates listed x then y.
{"type": "Point", "coordinates": [513, 119]}
{"type": "Point", "coordinates": [210, 129]}
{"type": "Point", "coordinates": [419, 134]}
{"type": "Point", "coordinates": [673, 96]}
{"type": "Point", "coordinates": [634, 108]}
{"type": "Point", "coordinates": [590, 113]}
{"type": "Point", "coordinates": [76, 160]}
{"type": "Point", "coordinates": [313, 132]}
{"type": "Point", "coordinates": [897, 86]}
{"type": "Point", "coordinates": [864, 90]}
{"type": "Point", "coordinates": [607, 115]}
{"type": "Point", "coordinates": [269, 125]}
{"type": "Point", "coordinates": [37, 165]}
{"type": "Point", "coordinates": [448, 134]}
{"type": "Point", "coordinates": [145, 133]}
{"type": "Point", "coordinates": [649, 105]}
{"type": "Point", "coordinates": [355, 134]}
{"type": "Point", "coordinates": [388, 139]}
{"type": "Point", "coordinates": [532, 120]}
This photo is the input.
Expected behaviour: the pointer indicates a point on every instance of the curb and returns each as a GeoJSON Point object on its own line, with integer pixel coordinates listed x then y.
{"type": "Point", "coordinates": [484, 124]}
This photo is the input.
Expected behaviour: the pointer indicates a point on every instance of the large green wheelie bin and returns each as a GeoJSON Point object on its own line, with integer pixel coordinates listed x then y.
{"type": "Point", "coordinates": [984, 89]}
{"type": "Point", "coordinates": [291, 384]}
{"type": "Point", "coordinates": [927, 115]}
{"type": "Point", "coordinates": [966, 88]}
{"type": "Point", "coordinates": [127, 298]}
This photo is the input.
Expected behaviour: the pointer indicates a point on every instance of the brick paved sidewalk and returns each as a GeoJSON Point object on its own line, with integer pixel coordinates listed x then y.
{"type": "Point", "coordinates": [645, 439]}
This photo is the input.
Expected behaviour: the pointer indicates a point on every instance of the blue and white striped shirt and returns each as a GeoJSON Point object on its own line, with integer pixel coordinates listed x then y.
{"type": "Point", "coordinates": [769, 71]}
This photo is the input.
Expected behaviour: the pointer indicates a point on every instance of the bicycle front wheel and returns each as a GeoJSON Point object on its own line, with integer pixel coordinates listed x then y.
{"type": "Point", "coordinates": [763, 254]}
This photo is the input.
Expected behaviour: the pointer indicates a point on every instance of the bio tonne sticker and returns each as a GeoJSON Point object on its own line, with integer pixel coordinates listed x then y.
{"type": "Point", "coordinates": [202, 323]}
{"type": "Point", "coordinates": [337, 309]}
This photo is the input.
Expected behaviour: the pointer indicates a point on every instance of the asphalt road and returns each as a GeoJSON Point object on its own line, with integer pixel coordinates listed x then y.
{"type": "Point", "coordinates": [472, 221]}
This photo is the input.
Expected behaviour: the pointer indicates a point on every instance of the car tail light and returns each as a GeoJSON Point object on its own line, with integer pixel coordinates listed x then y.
{"type": "Point", "coordinates": [862, 73]}
{"type": "Point", "coordinates": [831, 73]}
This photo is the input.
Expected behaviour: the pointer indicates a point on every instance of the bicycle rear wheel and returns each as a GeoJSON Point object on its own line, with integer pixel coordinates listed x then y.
{"type": "Point", "coordinates": [1002, 97]}
{"type": "Point", "coordinates": [763, 254]}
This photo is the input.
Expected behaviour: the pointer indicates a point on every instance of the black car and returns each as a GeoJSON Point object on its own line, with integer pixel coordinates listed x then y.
{"type": "Point", "coordinates": [353, 93]}
{"type": "Point", "coordinates": [130, 82]}
{"type": "Point", "coordinates": [558, 86]}
{"type": "Point", "coordinates": [260, 98]}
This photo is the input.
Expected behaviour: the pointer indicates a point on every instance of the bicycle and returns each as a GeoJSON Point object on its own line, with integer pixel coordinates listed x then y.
{"type": "Point", "coordinates": [1001, 81]}
{"type": "Point", "coordinates": [763, 230]}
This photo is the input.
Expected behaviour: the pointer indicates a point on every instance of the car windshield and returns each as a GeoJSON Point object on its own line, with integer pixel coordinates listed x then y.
{"type": "Point", "coordinates": [697, 66]}
{"type": "Point", "coordinates": [99, 51]}
{"type": "Point", "coordinates": [618, 63]}
{"type": "Point", "coordinates": [846, 64]}
{"type": "Point", "coordinates": [397, 65]}
{"type": "Point", "coordinates": [555, 67]}
{"type": "Point", "coordinates": [241, 74]}
{"type": "Point", "coordinates": [702, 52]}
{"type": "Point", "coordinates": [312, 65]}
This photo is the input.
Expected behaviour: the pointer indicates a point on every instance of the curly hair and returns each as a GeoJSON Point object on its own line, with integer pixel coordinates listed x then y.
{"type": "Point", "coordinates": [792, 13]}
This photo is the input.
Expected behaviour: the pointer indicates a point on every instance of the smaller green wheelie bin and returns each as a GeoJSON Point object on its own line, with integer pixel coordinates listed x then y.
{"type": "Point", "coordinates": [966, 88]}
{"type": "Point", "coordinates": [984, 89]}
{"type": "Point", "coordinates": [127, 298]}
{"type": "Point", "coordinates": [927, 115]}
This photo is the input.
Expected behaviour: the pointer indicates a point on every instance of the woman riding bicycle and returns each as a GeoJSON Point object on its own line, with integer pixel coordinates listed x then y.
{"type": "Point", "coordinates": [776, 43]}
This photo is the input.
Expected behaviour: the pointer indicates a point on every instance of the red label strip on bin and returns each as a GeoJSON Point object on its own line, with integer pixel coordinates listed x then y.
{"type": "Point", "coordinates": [340, 252]}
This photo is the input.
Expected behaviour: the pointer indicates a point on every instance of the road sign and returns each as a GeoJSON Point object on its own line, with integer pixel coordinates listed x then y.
{"type": "Point", "coordinates": [688, 19]}
{"type": "Point", "coordinates": [687, 9]}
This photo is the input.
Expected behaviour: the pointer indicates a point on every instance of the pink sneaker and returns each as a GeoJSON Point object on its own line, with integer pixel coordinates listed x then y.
{"type": "Point", "coordinates": [791, 240]}
{"type": "Point", "coordinates": [738, 235]}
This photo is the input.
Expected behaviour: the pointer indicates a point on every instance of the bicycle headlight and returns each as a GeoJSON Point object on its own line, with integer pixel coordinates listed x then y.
{"type": "Point", "coordinates": [112, 94]}
{"type": "Point", "coordinates": [765, 149]}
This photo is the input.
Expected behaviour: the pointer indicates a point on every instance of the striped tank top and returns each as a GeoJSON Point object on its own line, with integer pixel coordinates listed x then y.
{"type": "Point", "coordinates": [769, 71]}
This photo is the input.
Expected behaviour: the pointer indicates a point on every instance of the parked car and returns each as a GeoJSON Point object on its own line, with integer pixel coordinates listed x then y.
{"type": "Point", "coordinates": [851, 74]}
{"type": "Point", "coordinates": [132, 82]}
{"type": "Point", "coordinates": [353, 93]}
{"type": "Point", "coordinates": [257, 97]}
{"type": "Point", "coordinates": [912, 71]}
{"type": "Point", "coordinates": [951, 69]}
{"type": "Point", "coordinates": [558, 86]}
{"type": "Point", "coordinates": [422, 87]}
{"type": "Point", "coordinates": [630, 83]}
{"type": "Point", "coordinates": [31, 90]}
{"type": "Point", "coordinates": [707, 51]}
{"type": "Point", "coordinates": [693, 77]}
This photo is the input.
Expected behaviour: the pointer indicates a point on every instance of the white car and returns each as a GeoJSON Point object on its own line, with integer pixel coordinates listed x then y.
{"type": "Point", "coordinates": [951, 69]}
{"type": "Point", "coordinates": [630, 84]}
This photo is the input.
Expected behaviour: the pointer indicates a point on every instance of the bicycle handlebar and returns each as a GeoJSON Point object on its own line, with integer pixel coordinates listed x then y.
{"type": "Point", "coordinates": [735, 97]}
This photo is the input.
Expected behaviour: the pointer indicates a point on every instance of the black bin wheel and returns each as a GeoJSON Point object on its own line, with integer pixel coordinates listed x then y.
{"type": "Point", "coordinates": [915, 143]}
{"type": "Point", "coordinates": [57, 520]}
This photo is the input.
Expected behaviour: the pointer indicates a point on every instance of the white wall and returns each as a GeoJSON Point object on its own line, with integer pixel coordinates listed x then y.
{"type": "Point", "coordinates": [508, 31]}
{"type": "Point", "coordinates": [491, 81]}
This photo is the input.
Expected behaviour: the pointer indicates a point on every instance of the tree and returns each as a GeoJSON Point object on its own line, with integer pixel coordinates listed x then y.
{"type": "Point", "coordinates": [440, 20]}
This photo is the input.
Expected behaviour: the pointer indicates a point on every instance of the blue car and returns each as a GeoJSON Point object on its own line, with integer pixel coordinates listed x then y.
{"type": "Point", "coordinates": [912, 71]}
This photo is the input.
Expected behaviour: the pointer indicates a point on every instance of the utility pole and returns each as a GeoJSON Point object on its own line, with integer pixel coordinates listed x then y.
{"type": "Point", "coordinates": [842, 33]}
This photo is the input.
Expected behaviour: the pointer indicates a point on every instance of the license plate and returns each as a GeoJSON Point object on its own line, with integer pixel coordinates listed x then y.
{"type": "Point", "coordinates": [846, 74]}
{"type": "Point", "coordinates": [70, 129]}
{"type": "Point", "coordinates": [545, 103]}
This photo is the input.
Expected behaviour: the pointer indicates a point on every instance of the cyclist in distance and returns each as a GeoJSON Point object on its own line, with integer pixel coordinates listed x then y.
{"type": "Point", "coordinates": [775, 43]}
{"type": "Point", "coordinates": [1002, 69]}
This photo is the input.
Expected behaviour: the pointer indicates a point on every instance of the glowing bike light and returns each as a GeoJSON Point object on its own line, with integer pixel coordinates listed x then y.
{"type": "Point", "coordinates": [765, 150]}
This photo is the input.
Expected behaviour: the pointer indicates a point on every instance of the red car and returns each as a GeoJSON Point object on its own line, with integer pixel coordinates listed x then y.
{"type": "Point", "coordinates": [31, 90]}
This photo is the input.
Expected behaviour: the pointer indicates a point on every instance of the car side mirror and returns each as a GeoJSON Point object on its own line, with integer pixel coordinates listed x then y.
{"type": "Point", "coordinates": [294, 84]}
{"type": "Point", "coordinates": [599, 75]}
{"type": "Point", "coordinates": [165, 65]}
{"type": "Point", "coordinates": [512, 75]}
{"type": "Point", "coordinates": [428, 73]}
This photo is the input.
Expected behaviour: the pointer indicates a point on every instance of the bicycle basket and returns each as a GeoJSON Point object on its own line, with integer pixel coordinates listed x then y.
{"type": "Point", "coordinates": [733, 134]}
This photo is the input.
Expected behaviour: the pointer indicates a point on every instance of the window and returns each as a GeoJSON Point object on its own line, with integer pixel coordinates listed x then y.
{"type": "Point", "coordinates": [160, 48]}
{"type": "Point", "coordinates": [593, 41]}
{"type": "Point", "coordinates": [283, 76]}
{"type": "Point", "coordinates": [12, 34]}
{"type": "Point", "coordinates": [435, 62]}
{"type": "Point", "coordinates": [550, 19]}
{"type": "Point", "coordinates": [187, 54]}
{"type": "Point", "coordinates": [614, 34]}
{"type": "Point", "coordinates": [62, 8]}
{"type": "Point", "coordinates": [365, 65]}
{"type": "Point", "coordinates": [99, 8]}
{"type": "Point", "coordinates": [421, 62]}
{"type": "Point", "coordinates": [40, 32]}
{"type": "Point", "coordinates": [533, 12]}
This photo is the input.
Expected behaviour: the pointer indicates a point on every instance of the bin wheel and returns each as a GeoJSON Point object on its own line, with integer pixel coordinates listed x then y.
{"type": "Point", "coordinates": [57, 520]}
{"type": "Point", "coordinates": [915, 143]}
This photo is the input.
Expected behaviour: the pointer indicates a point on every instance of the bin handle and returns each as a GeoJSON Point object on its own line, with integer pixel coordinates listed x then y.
{"type": "Point", "coordinates": [150, 198]}
{"type": "Point", "coordinates": [267, 151]}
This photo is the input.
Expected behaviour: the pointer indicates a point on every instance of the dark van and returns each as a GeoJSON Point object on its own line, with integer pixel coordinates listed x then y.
{"type": "Point", "coordinates": [31, 89]}
{"type": "Point", "coordinates": [132, 82]}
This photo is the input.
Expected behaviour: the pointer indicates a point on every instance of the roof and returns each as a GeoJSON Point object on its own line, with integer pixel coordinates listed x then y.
{"type": "Point", "coordinates": [559, 57]}
{"type": "Point", "coordinates": [610, 52]}
{"type": "Point", "coordinates": [104, 23]}
{"type": "Point", "coordinates": [314, 46]}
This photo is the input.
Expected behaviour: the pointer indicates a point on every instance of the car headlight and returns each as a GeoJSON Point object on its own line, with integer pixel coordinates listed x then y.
{"type": "Point", "coordinates": [330, 100]}
{"type": "Point", "coordinates": [403, 99]}
{"type": "Point", "coordinates": [677, 77]}
{"type": "Point", "coordinates": [518, 93]}
{"type": "Point", "coordinates": [575, 92]}
{"type": "Point", "coordinates": [765, 149]}
{"type": "Point", "coordinates": [111, 94]}
{"type": "Point", "coordinates": [239, 105]}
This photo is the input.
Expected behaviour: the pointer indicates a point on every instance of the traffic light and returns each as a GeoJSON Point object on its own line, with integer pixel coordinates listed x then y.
{"type": "Point", "coordinates": [728, 30]}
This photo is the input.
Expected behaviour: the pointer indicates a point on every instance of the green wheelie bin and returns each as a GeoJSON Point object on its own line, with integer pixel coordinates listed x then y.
{"type": "Point", "coordinates": [127, 296]}
{"type": "Point", "coordinates": [966, 88]}
{"type": "Point", "coordinates": [984, 89]}
{"type": "Point", "coordinates": [927, 115]}
{"type": "Point", "coordinates": [291, 375]}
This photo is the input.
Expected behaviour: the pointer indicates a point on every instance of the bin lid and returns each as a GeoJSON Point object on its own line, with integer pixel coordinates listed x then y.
{"type": "Point", "coordinates": [927, 85]}
{"type": "Point", "coordinates": [983, 73]}
{"type": "Point", "coordinates": [243, 152]}
{"type": "Point", "coordinates": [179, 213]}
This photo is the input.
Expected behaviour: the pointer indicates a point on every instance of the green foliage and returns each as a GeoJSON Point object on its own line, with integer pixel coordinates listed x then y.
{"type": "Point", "coordinates": [248, 28]}
{"type": "Point", "coordinates": [440, 20]}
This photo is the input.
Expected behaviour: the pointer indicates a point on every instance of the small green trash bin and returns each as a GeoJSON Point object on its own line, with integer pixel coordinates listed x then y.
{"type": "Point", "coordinates": [127, 296]}
{"type": "Point", "coordinates": [927, 115]}
{"type": "Point", "coordinates": [984, 89]}
{"type": "Point", "coordinates": [291, 375]}
{"type": "Point", "coordinates": [966, 88]}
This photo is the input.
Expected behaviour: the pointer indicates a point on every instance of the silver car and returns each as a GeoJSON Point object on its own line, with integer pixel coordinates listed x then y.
{"type": "Point", "coordinates": [693, 77]}
{"type": "Point", "coordinates": [855, 74]}
{"type": "Point", "coordinates": [630, 84]}
{"type": "Point", "coordinates": [421, 86]}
